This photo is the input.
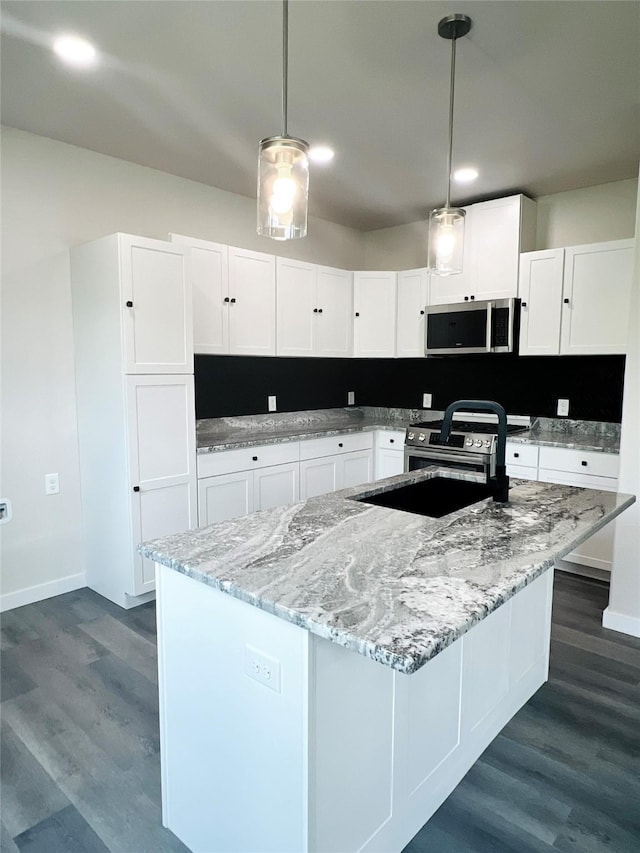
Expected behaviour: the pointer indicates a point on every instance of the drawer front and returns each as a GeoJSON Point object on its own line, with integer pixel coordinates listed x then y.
{"type": "Point", "coordinates": [329, 446]}
{"type": "Point", "coordinates": [580, 462]}
{"type": "Point", "coordinates": [247, 458]}
{"type": "Point", "coordinates": [587, 481]}
{"type": "Point", "coordinates": [390, 439]}
{"type": "Point", "coordinates": [522, 454]}
{"type": "Point", "coordinates": [522, 472]}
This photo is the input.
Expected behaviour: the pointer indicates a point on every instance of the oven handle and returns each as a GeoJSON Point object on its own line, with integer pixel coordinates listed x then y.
{"type": "Point", "coordinates": [446, 455]}
{"type": "Point", "coordinates": [489, 335]}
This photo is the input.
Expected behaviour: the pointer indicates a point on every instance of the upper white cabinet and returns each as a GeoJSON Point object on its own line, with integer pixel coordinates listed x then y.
{"type": "Point", "coordinates": [412, 300]}
{"type": "Point", "coordinates": [234, 293]}
{"type": "Point", "coordinates": [314, 309]}
{"type": "Point", "coordinates": [496, 232]}
{"type": "Point", "coordinates": [575, 301]}
{"type": "Point", "coordinates": [375, 308]}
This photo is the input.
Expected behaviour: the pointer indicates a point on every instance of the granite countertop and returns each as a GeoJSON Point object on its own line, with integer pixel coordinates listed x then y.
{"type": "Point", "coordinates": [221, 434]}
{"type": "Point", "coordinates": [394, 586]}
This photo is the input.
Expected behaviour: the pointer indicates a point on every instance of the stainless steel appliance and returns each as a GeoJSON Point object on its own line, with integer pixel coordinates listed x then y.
{"type": "Point", "coordinates": [472, 327]}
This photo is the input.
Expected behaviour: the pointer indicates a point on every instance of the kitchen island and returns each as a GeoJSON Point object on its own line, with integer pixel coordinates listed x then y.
{"type": "Point", "coordinates": [330, 670]}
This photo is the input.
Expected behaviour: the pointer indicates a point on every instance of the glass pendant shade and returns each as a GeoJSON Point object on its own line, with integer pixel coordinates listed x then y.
{"type": "Point", "coordinates": [283, 187]}
{"type": "Point", "coordinates": [446, 240]}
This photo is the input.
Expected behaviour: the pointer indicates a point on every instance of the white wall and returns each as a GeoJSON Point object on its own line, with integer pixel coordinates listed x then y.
{"type": "Point", "coordinates": [589, 215]}
{"type": "Point", "coordinates": [55, 196]}
{"type": "Point", "coordinates": [623, 612]}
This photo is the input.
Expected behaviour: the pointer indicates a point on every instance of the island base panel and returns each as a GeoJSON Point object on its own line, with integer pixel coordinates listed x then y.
{"type": "Point", "coordinates": [350, 755]}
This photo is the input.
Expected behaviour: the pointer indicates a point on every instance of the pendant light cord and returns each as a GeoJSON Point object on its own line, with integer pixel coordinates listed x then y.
{"type": "Point", "coordinates": [285, 63]}
{"type": "Point", "coordinates": [451, 90]}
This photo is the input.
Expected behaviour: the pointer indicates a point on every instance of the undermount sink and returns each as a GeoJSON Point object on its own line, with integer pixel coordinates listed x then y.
{"type": "Point", "coordinates": [435, 497]}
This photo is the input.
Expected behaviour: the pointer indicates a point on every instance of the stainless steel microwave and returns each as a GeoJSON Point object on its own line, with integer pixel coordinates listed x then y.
{"type": "Point", "coordinates": [472, 327]}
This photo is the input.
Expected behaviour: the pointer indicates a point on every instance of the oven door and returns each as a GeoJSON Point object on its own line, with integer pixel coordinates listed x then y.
{"type": "Point", "coordinates": [482, 463]}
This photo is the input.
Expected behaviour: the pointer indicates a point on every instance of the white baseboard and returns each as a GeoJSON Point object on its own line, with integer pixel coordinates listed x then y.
{"type": "Point", "coordinates": [31, 594]}
{"type": "Point", "coordinates": [621, 622]}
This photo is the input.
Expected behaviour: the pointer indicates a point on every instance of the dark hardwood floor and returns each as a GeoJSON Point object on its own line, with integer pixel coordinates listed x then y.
{"type": "Point", "coordinates": [81, 770]}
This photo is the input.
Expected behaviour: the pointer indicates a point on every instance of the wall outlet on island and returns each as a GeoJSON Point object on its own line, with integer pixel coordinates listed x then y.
{"type": "Point", "coordinates": [51, 484]}
{"type": "Point", "coordinates": [563, 408]}
{"type": "Point", "coordinates": [426, 401]}
{"type": "Point", "coordinates": [351, 398]}
{"type": "Point", "coordinates": [271, 403]}
{"type": "Point", "coordinates": [262, 668]}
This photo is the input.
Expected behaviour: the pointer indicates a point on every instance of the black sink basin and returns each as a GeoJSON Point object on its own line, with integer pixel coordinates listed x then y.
{"type": "Point", "coordinates": [435, 497]}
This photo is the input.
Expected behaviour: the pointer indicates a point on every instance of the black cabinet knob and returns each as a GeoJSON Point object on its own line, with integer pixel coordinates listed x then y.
{"type": "Point", "coordinates": [516, 455]}
{"type": "Point", "coordinates": [466, 299]}
{"type": "Point", "coordinates": [226, 299]}
{"type": "Point", "coordinates": [584, 463]}
{"type": "Point", "coordinates": [391, 440]}
{"type": "Point", "coordinates": [422, 312]}
{"type": "Point", "coordinates": [233, 299]}
{"type": "Point", "coordinates": [319, 310]}
{"type": "Point", "coordinates": [255, 458]}
{"type": "Point", "coordinates": [315, 310]}
{"type": "Point", "coordinates": [357, 313]}
{"type": "Point", "coordinates": [524, 304]}
{"type": "Point", "coordinates": [136, 488]}
{"type": "Point", "coordinates": [566, 301]}
{"type": "Point", "coordinates": [129, 304]}
{"type": "Point", "coordinates": [339, 444]}
{"type": "Point", "coordinates": [472, 298]}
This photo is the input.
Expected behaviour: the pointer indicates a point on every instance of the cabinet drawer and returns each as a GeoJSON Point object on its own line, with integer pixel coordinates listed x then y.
{"type": "Point", "coordinates": [585, 481]}
{"type": "Point", "coordinates": [329, 446]}
{"type": "Point", "coordinates": [580, 462]}
{"type": "Point", "coordinates": [521, 454]}
{"type": "Point", "coordinates": [247, 458]}
{"type": "Point", "coordinates": [522, 472]}
{"type": "Point", "coordinates": [390, 439]}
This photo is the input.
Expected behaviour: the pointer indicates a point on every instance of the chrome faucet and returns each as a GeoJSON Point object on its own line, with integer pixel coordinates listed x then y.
{"type": "Point", "coordinates": [500, 482]}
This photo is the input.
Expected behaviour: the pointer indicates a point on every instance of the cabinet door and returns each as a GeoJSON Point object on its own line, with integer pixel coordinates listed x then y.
{"type": "Point", "coordinates": [276, 486]}
{"type": "Point", "coordinates": [357, 468]}
{"type": "Point", "coordinates": [210, 278]}
{"type": "Point", "coordinates": [412, 300]}
{"type": "Point", "coordinates": [334, 322]}
{"type": "Point", "coordinates": [389, 463]}
{"type": "Point", "coordinates": [597, 285]}
{"type": "Point", "coordinates": [496, 248]}
{"type": "Point", "coordinates": [541, 294]}
{"type": "Point", "coordinates": [252, 303]}
{"type": "Point", "coordinates": [161, 438]}
{"type": "Point", "coordinates": [320, 476]}
{"type": "Point", "coordinates": [225, 496]}
{"type": "Point", "coordinates": [297, 308]}
{"type": "Point", "coordinates": [375, 314]}
{"type": "Point", "coordinates": [158, 322]}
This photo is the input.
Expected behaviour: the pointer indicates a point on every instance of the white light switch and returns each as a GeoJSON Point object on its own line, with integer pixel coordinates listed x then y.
{"type": "Point", "coordinates": [51, 484]}
{"type": "Point", "coordinates": [262, 668]}
{"type": "Point", "coordinates": [563, 407]}
{"type": "Point", "coordinates": [271, 403]}
{"type": "Point", "coordinates": [426, 401]}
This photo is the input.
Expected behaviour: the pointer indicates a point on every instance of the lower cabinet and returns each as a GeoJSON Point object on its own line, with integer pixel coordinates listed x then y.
{"type": "Point", "coordinates": [336, 462]}
{"type": "Point", "coordinates": [522, 460]}
{"type": "Point", "coordinates": [389, 453]}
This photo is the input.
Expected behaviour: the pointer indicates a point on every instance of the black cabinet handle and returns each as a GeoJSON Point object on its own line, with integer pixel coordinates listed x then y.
{"type": "Point", "coordinates": [129, 304]}
{"type": "Point", "coordinates": [584, 463]}
{"type": "Point", "coordinates": [516, 455]}
{"type": "Point", "coordinates": [339, 444]}
{"type": "Point", "coordinates": [226, 299]}
{"type": "Point", "coordinates": [136, 488]}
{"type": "Point", "coordinates": [319, 310]}
{"type": "Point", "coordinates": [566, 301]}
{"type": "Point", "coordinates": [524, 304]}
{"type": "Point", "coordinates": [472, 298]}
{"type": "Point", "coordinates": [233, 299]}
{"type": "Point", "coordinates": [315, 310]}
{"type": "Point", "coordinates": [422, 312]}
{"type": "Point", "coordinates": [357, 313]}
{"type": "Point", "coordinates": [466, 299]}
{"type": "Point", "coordinates": [255, 458]}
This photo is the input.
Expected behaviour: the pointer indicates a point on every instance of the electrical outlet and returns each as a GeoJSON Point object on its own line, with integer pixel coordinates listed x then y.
{"type": "Point", "coordinates": [51, 484]}
{"type": "Point", "coordinates": [351, 398]}
{"type": "Point", "coordinates": [426, 401]}
{"type": "Point", "coordinates": [262, 668]}
{"type": "Point", "coordinates": [563, 408]}
{"type": "Point", "coordinates": [271, 403]}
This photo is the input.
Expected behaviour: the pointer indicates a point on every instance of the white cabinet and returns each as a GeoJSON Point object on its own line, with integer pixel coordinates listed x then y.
{"type": "Point", "coordinates": [591, 470]}
{"type": "Point", "coordinates": [521, 460]}
{"type": "Point", "coordinates": [389, 450]}
{"type": "Point", "coordinates": [234, 483]}
{"type": "Point", "coordinates": [496, 232]}
{"type": "Point", "coordinates": [575, 301]}
{"type": "Point", "coordinates": [596, 298]}
{"type": "Point", "coordinates": [374, 314]}
{"type": "Point", "coordinates": [314, 309]}
{"type": "Point", "coordinates": [335, 462]}
{"type": "Point", "coordinates": [234, 298]}
{"type": "Point", "coordinates": [136, 432]}
{"type": "Point", "coordinates": [412, 300]}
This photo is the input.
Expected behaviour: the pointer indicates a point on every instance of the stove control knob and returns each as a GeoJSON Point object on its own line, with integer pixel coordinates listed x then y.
{"type": "Point", "coordinates": [478, 442]}
{"type": "Point", "coordinates": [487, 442]}
{"type": "Point", "coordinates": [421, 437]}
{"type": "Point", "coordinates": [469, 442]}
{"type": "Point", "coordinates": [411, 436]}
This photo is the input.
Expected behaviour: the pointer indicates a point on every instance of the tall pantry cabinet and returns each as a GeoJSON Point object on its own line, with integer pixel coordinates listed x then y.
{"type": "Point", "coordinates": [132, 318]}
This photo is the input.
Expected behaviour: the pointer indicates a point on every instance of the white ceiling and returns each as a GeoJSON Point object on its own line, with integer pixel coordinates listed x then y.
{"type": "Point", "coordinates": [547, 93]}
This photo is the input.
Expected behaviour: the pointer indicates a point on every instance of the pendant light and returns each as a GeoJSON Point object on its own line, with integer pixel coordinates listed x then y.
{"type": "Point", "coordinates": [446, 224]}
{"type": "Point", "coordinates": [283, 170]}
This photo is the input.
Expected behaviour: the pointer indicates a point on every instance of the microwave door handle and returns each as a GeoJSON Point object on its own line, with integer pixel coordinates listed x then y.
{"type": "Point", "coordinates": [489, 313]}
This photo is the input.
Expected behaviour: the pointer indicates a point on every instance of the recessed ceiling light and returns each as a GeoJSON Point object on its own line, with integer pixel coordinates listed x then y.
{"type": "Point", "coordinates": [75, 51]}
{"type": "Point", "coordinates": [466, 175]}
{"type": "Point", "coordinates": [321, 154]}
